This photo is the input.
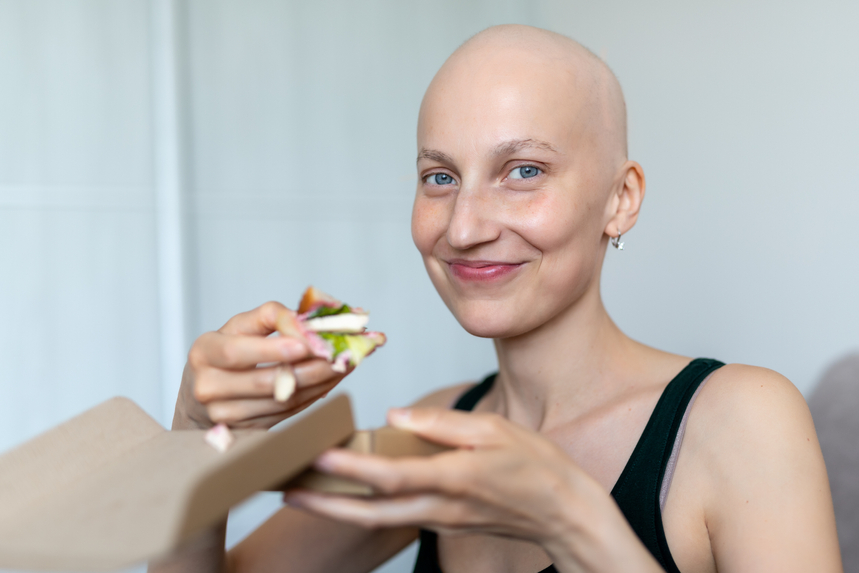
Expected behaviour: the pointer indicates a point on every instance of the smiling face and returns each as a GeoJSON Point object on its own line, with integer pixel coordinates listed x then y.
{"type": "Point", "coordinates": [519, 177]}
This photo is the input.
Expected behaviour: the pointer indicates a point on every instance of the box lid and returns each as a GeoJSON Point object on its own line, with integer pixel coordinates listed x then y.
{"type": "Point", "coordinates": [111, 487]}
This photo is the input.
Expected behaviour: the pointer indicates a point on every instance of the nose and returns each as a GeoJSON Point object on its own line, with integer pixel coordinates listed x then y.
{"type": "Point", "coordinates": [474, 220]}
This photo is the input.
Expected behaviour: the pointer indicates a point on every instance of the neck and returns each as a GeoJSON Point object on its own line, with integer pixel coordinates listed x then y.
{"type": "Point", "coordinates": [562, 368]}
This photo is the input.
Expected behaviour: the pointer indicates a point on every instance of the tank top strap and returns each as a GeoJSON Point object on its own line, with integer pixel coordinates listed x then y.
{"type": "Point", "coordinates": [427, 558]}
{"type": "Point", "coordinates": [638, 487]}
{"type": "Point", "coordinates": [469, 399]}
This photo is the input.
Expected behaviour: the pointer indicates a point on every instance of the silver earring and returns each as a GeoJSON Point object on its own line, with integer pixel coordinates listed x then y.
{"type": "Point", "coordinates": [615, 242]}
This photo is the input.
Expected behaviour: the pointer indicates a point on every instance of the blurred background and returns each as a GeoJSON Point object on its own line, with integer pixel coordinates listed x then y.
{"type": "Point", "coordinates": [166, 164]}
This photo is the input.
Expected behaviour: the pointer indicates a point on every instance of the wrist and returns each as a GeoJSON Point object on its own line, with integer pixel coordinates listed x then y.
{"type": "Point", "coordinates": [590, 533]}
{"type": "Point", "coordinates": [183, 419]}
{"type": "Point", "coordinates": [575, 530]}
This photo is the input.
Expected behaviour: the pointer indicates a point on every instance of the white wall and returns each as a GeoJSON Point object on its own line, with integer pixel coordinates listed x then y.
{"type": "Point", "coordinates": [77, 265]}
{"type": "Point", "coordinates": [300, 169]}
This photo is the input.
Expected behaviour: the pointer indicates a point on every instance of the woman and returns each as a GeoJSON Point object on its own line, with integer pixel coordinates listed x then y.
{"type": "Point", "coordinates": [588, 451]}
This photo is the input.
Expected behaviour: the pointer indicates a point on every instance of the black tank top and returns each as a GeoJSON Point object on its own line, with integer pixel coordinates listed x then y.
{"type": "Point", "coordinates": [637, 489]}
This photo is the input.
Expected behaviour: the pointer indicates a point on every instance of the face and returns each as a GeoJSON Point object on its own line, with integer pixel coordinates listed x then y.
{"type": "Point", "coordinates": [513, 195]}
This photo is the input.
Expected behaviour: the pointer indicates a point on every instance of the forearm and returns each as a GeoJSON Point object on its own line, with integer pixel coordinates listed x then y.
{"type": "Point", "coordinates": [203, 554]}
{"type": "Point", "coordinates": [296, 541]}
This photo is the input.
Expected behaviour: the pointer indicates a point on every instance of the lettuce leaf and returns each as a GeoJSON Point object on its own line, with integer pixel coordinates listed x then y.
{"type": "Point", "coordinates": [359, 345]}
{"type": "Point", "coordinates": [328, 311]}
{"type": "Point", "coordinates": [337, 340]}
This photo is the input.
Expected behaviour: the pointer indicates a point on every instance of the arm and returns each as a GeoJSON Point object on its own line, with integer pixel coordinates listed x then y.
{"type": "Point", "coordinates": [222, 383]}
{"type": "Point", "coordinates": [762, 482]}
{"type": "Point", "coordinates": [294, 540]}
{"type": "Point", "coordinates": [501, 480]}
{"type": "Point", "coordinates": [750, 462]}
{"type": "Point", "coordinates": [290, 541]}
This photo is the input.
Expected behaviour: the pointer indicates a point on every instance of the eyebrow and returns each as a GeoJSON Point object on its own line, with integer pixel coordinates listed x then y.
{"type": "Point", "coordinates": [510, 147]}
{"type": "Point", "coordinates": [434, 155]}
{"type": "Point", "coordinates": [506, 148]}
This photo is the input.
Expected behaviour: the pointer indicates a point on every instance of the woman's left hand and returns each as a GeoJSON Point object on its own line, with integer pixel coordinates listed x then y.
{"type": "Point", "coordinates": [501, 479]}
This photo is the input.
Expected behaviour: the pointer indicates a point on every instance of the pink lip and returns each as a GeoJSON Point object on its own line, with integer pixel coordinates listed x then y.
{"type": "Point", "coordinates": [481, 271]}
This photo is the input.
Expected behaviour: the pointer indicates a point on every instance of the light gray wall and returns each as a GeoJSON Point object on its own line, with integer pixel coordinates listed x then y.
{"type": "Point", "coordinates": [300, 120]}
{"type": "Point", "coordinates": [76, 227]}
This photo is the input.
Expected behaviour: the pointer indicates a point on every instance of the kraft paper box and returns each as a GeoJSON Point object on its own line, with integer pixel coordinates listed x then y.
{"type": "Point", "coordinates": [388, 442]}
{"type": "Point", "coordinates": [111, 487]}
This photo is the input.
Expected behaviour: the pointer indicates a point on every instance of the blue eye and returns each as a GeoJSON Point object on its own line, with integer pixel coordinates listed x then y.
{"type": "Point", "coordinates": [525, 172]}
{"type": "Point", "coordinates": [439, 179]}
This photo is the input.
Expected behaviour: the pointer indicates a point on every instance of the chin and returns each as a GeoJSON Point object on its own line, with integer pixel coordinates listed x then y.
{"type": "Point", "coordinates": [489, 319]}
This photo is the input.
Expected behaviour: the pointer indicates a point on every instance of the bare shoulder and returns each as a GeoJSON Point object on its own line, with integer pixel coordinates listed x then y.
{"type": "Point", "coordinates": [758, 467]}
{"type": "Point", "coordinates": [443, 398]}
{"type": "Point", "coordinates": [748, 418]}
{"type": "Point", "coordinates": [752, 398]}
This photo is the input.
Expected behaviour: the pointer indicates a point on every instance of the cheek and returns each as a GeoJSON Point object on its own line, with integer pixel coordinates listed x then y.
{"type": "Point", "coordinates": [566, 219]}
{"type": "Point", "coordinates": [566, 230]}
{"type": "Point", "coordinates": [429, 223]}
{"type": "Point", "coordinates": [547, 222]}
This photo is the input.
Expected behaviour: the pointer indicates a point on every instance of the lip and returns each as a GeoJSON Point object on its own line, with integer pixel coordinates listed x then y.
{"type": "Point", "coordinates": [481, 271]}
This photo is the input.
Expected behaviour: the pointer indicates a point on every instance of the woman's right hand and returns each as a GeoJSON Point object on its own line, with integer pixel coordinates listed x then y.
{"type": "Point", "coordinates": [222, 381]}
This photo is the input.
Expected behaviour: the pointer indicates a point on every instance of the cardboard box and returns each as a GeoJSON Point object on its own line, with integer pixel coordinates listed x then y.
{"type": "Point", "coordinates": [111, 487]}
{"type": "Point", "coordinates": [382, 441]}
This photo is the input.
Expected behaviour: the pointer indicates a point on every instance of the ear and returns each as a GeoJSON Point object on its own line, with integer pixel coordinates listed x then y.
{"type": "Point", "coordinates": [626, 200]}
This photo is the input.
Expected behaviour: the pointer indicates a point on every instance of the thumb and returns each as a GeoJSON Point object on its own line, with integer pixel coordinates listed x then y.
{"type": "Point", "coordinates": [260, 321]}
{"type": "Point", "coordinates": [450, 427]}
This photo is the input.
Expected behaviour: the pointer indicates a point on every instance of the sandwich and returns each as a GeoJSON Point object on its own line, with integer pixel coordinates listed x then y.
{"type": "Point", "coordinates": [333, 330]}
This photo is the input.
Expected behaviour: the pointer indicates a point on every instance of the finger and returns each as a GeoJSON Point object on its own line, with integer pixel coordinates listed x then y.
{"type": "Point", "coordinates": [232, 412]}
{"type": "Point", "coordinates": [260, 321]}
{"type": "Point", "coordinates": [378, 512]}
{"type": "Point", "coordinates": [314, 393]}
{"type": "Point", "coordinates": [262, 422]}
{"type": "Point", "coordinates": [450, 473]}
{"type": "Point", "coordinates": [266, 422]}
{"type": "Point", "coordinates": [239, 352]}
{"type": "Point", "coordinates": [314, 371]}
{"type": "Point", "coordinates": [452, 427]}
{"type": "Point", "coordinates": [306, 396]}
{"type": "Point", "coordinates": [303, 375]}
{"type": "Point", "coordinates": [303, 401]}
{"type": "Point", "coordinates": [255, 412]}
{"type": "Point", "coordinates": [215, 384]}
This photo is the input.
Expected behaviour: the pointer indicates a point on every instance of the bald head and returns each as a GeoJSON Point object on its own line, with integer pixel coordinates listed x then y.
{"type": "Point", "coordinates": [560, 77]}
{"type": "Point", "coordinates": [522, 179]}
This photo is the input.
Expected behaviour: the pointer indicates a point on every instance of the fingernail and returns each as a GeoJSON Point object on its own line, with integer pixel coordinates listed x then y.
{"type": "Point", "coordinates": [284, 383]}
{"type": "Point", "coordinates": [399, 416]}
{"type": "Point", "coordinates": [324, 463]}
